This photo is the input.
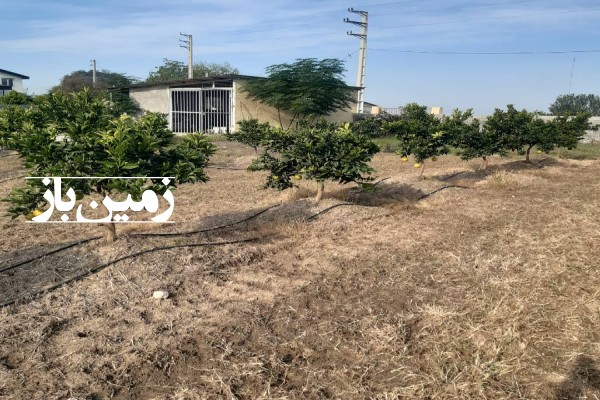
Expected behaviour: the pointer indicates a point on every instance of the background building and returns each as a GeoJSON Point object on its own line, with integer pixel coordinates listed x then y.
{"type": "Point", "coordinates": [11, 81]}
{"type": "Point", "coordinates": [213, 104]}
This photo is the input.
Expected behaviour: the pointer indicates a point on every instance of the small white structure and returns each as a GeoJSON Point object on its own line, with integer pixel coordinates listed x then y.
{"type": "Point", "coordinates": [11, 81]}
{"type": "Point", "coordinates": [213, 105]}
{"type": "Point", "coordinates": [437, 110]}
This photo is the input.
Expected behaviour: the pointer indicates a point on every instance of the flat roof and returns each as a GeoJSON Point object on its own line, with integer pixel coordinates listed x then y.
{"type": "Point", "coordinates": [195, 81]}
{"type": "Point", "coordinates": [14, 74]}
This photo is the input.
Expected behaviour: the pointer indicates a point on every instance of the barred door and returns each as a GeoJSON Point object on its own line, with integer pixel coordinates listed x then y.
{"type": "Point", "coordinates": [201, 110]}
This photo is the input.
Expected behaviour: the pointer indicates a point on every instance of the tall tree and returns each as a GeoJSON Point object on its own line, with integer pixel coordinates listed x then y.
{"type": "Point", "coordinates": [77, 80]}
{"type": "Point", "coordinates": [173, 70]}
{"type": "Point", "coordinates": [110, 83]}
{"type": "Point", "coordinates": [306, 88]}
{"type": "Point", "coordinates": [571, 104]}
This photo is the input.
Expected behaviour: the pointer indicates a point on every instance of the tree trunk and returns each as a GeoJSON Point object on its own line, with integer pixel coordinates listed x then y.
{"type": "Point", "coordinates": [422, 169]}
{"type": "Point", "coordinates": [558, 153]}
{"type": "Point", "coordinates": [111, 228]}
{"type": "Point", "coordinates": [527, 159]}
{"type": "Point", "coordinates": [320, 192]}
{"type": "Point", "coordinates": [279, 116]}
{"type": "Point", "coordinates": [111, 232]}
{"type": "Point", "coordinates": [292, 121]}
{"type": "Point", "coordinates": [485, 163]}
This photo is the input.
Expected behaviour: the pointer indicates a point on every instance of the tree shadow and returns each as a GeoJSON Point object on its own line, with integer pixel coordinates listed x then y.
{"type": "Point", "coordinates": [44, 270]}
{"type": "Point", "coordinates": [385, 194]}
{"type": "Point", "coordinates": [584, 376]}
{"type": "Point", "coordinates": [511, 166]}
{"type": "Point", "coordinates": [299, 209]}
{"type": "Point", "coordinates": [520, 165]}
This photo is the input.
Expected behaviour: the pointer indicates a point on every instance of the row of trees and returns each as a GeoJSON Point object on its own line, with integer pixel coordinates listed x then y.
{"type": "Point", "coordinates": [425, 136]}
{"type": "Point", "coordinates": [170, 70]}
{"type": "Point", "coordinates": [323, 151]}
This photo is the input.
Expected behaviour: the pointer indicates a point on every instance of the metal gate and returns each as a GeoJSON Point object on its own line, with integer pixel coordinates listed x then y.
{"type": "Point", "coordinates": [201, 110]}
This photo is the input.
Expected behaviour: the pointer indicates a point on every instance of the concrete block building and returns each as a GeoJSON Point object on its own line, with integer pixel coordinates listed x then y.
{"type": "Point", "coordinates": [212, 104]}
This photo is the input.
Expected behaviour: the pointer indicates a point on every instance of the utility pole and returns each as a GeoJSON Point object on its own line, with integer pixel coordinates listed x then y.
{"type": "Point", "coordinates": [93, 73]}
{"type": "Point", "coordinates": [187, 44]}
{"type": "Point", "coordinates": [362, 55]}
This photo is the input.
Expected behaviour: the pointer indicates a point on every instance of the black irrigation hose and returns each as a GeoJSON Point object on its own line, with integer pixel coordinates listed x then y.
{"type": "Point", "coordinates": [328, 209]}
{"type": "Point", "coordinates": [139, 253]}
{"type": "Point", "coordinates": [312, 217]}
{"type": "Point", "coordinates": [440, 189]}
{"type": "Point", "coordinates": [151, 250]}
{"type": "Point", "coordinates": [12, 179]}
{"type": "Point", "coordinates": [382, 180]}
{"type": "Point", "coordinates": [79, 242]}
{"type": "Point", "coordinates": [352, 204]}
{"type": "Point", "coordinates": [205, 229]}
{"type": "Point", "coordinates": [452, 176]}
{"type": "Point", "coordinates": [137, 235]}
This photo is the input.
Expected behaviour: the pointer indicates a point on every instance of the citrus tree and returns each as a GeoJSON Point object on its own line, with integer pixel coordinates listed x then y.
{"type": "Point", "coordinates": [570, 130]}
{"type": "Point", "coordinates": [11, 121]}
{"type": "Point", "coordinates": [471, 139]}
{"type": "Point", "coordinates": [320, 152]}
{"type": "Point", "coordinates": [76, 135]}
{"type": "Point", "coordinates": [516, 128]}
{"type": "Point", "coordinates": [521, 131]}
{"type": "Point", "coordinates": [250, 132]}
{"type": "Point", "coordinates": [373, 126]}
{"type": "Point", "coordinates": [15, 98]}
{"type": "Point", "coordinates": [420, 134]}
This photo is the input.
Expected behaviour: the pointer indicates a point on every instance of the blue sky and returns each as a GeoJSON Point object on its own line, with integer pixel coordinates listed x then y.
{"type": "Point", "coordinates": [48, 39]}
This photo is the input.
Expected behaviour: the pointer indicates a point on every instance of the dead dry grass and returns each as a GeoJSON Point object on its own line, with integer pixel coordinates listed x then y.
{"type": "Point", "coordinates": [486, 292]}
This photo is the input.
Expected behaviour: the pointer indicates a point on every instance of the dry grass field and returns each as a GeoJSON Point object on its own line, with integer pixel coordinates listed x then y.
{"type": "Point", "coordinates": [486, 291]}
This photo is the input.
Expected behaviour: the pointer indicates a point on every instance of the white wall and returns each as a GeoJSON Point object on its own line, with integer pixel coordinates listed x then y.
{"type": "Point", "coordinates": [152, 99]}
{"type": "Point", "coordinates": [17, 82]}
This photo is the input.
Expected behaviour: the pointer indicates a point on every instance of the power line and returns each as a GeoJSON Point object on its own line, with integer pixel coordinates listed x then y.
{"type": "Point", "coordinates": [485, 52]}
{"type": "Point", "coordinates": [571, 79]}
{"type": "Point", "coordinates": [464, 6]}
{"type": "Point", "coordinates": [491, 18]}
{"type": "Point", "coordinates": [427, 24]}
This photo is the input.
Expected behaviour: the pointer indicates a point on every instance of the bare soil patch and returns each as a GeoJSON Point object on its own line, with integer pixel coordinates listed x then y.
{"type": "Point", "coordinates": [486, 291]}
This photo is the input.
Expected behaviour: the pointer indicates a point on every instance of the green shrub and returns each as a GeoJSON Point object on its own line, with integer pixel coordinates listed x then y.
{"type": "Point", "coordinates": [250, 132]}
{"type": "Point", "coordinates": [11, 122]}
{"type": "Point", "coordinates": [321, 152]}
{"type": "Point", "coordinates": [15, 98]}
{"type": "Point", "coordinates": [76, 135]}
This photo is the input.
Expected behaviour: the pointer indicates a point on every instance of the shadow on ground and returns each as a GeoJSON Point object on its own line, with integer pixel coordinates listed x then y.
{"type": "Point", "coordinates": [583, 379]}
{"type": "Point", "coordinates": [512, 166]}
{"type": "Point", "coordinates": [44, 271]}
